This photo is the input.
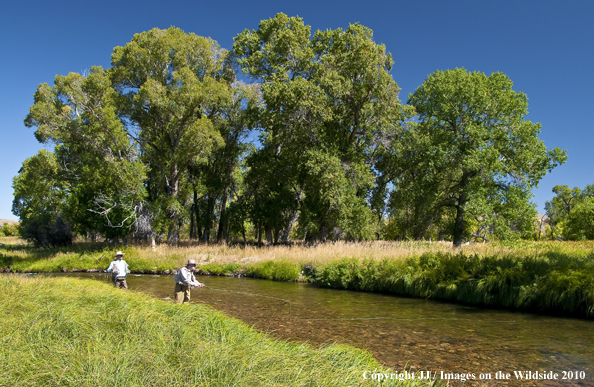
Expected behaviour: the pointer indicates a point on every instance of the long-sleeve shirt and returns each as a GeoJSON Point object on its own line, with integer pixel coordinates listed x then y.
{"type": "Point", "coordinates": [186, 277]}
{"type": "Point", "coordinates": [119, 268]}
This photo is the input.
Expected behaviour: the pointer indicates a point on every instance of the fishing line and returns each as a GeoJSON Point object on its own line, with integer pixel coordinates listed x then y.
{"type": "Point", "coordinates": [398, 319]}
{"type": "Point", "coordinates": [355, 318]}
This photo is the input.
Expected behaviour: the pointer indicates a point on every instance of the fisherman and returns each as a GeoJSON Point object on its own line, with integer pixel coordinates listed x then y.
{"type": "Point", "coordinates": [184, 281]}
{"type": "Point", "coordinates": [119, 270]}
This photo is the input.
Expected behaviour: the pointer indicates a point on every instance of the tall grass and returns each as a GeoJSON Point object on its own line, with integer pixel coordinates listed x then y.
{"type": "Point", "coordinates": [551, 282]}
{"type": "Point", "coordinates": [69, 332]}
{"type": "Point", "coordinates": [85, 256]}
{"type": "Point", "coordinates": [543, 276]}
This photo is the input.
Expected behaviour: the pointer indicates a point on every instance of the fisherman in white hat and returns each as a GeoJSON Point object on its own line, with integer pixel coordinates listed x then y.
{"type": "Point", "coordinates": [184, 281]}
{"type": "Point", "coordinates": [119, 270]}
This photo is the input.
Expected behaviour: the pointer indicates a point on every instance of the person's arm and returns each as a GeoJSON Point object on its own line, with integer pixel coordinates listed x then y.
{"type": "Point", "coordinates": [110, 268]}
{"type": "Point", "coordinates": [195, 281]}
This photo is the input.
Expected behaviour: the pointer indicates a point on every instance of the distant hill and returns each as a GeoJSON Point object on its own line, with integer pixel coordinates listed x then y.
{"type": "Point", "coordinates": [2, 221]}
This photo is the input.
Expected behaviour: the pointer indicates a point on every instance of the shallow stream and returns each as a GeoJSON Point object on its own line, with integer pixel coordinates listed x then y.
{"type": "Point", "coordinates": [401, 332]}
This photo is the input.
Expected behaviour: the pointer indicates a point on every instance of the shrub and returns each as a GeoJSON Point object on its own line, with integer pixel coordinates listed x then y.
{"type": "Point", "coordinates": [274, 270]}
{"type": "Point", "coordinates": [9, 230]}
{"type": "Point", "coordinates": [48, 233]}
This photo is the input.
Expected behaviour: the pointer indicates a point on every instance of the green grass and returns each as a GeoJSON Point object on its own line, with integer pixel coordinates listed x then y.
{"type": "Point", "coordinates": [219, 268]}
{"type": "Point", "coordinates": [281, 270]}
{"type": "Point", "coordinates": [550, 282]}
{"type": "Point", "coordinates": [543, 276]}
{"type": "Point", "coordinates": [72, 332]}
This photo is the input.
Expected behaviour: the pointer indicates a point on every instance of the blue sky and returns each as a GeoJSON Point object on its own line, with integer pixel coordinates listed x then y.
{"type": "Point", "coordinates": [545, 47]}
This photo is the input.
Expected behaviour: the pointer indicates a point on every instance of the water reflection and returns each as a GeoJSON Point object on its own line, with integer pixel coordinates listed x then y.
{"type": "Point", "coordinates": [401, 332]}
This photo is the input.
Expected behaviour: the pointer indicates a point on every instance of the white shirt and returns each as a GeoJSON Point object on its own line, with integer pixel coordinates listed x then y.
{"type": "Point", "coordinates": [119, 268]}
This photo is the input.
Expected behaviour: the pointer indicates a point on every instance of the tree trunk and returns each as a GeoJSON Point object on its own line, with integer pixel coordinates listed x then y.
{"type": "Point", "coordinates": [197, 214]}
{"type": "Point", "coordinates": [460, 212]}
{"type": "Point", "coordinates": [208, 219]}
{"type": "Point", "coordinates": [243, 234]}
{"type": "Point", "coordinates": [285, 233]}
{"type": "Point", "coordinates": [268, 231]}
{"type": "Point", "coordinates": [192, 223]}
{"type": "Point", "coordinates": [223, 218]}
{"type": "Point", "coordinates": [173, 236]}
{"type": "Point", "coordinates": [172, 187]}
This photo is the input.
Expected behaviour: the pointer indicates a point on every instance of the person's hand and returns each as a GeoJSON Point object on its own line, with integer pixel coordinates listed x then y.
{"type": "Point", "coordinates": [201, 285]}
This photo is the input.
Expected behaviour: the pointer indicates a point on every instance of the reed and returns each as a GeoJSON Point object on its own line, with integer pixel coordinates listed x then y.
{"type": "Point", "coordinates": [71, 332]}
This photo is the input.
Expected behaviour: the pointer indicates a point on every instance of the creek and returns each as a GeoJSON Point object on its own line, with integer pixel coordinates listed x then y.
{"type": "Point", "coordinates": [416, 334]}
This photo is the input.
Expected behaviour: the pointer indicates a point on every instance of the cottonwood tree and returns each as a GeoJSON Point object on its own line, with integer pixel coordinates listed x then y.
{"type": "Point", "coordinates": [94, 157]}
{"type": "Point", "coordinates": [328, 99]}
{"type": "Point", "coordinates": [473, 145]}
{"type": "Point", "coordinates": [215, 180]}
{"type": "Point", "coordinates": [133, 131]}
{"type": "Point", "coordinates": [171, 84]}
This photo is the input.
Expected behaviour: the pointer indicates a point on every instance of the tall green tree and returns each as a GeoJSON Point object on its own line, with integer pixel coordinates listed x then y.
{"type": "Point", "coordinates": [329, 101]}
{"type": "Point", "coordinates": [94, 156]}
{"type": "Point", "coordinates": [473, 145]}
{"type": "Point", "coordinates": [171, 85]}
{"type": "Point", "coordinates": [218, 177]}
{"type": "Point", "coordinates": [39, 201]}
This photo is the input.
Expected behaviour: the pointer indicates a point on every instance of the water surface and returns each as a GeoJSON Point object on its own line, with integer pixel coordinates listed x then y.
{"type": "Point", "coordinates": [401, 332]}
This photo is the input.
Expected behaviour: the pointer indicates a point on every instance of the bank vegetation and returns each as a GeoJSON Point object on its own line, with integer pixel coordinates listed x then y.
{"type": "Point", "coordinates": [72, 332]}
{"type": "Point", "coordinates": [552, 277]}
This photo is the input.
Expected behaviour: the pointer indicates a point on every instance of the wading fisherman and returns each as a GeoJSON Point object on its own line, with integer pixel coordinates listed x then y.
{"type": "Point", "coordinates": [184, 281]}
{"type": "Point", "coordinates": [119, 271]}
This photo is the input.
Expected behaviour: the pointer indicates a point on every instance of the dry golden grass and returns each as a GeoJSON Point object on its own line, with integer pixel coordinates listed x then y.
{"type": "Point", "coordinates": [84, 256]}
{"type": "Point", "coordinates": [12, 240]}
{"type": "Point", "coordinates": [324, 253]}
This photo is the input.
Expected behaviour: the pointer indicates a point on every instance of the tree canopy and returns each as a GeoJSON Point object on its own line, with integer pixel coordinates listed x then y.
{"type": "Point", "coordinates": [472, 150]}
{"type": "Point", "coordinates": [163, 144]}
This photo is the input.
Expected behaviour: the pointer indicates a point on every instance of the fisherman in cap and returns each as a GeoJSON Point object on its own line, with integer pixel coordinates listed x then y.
{"type": "Point", "coordinates": [119, 270]}
{"type": "Point", "coordinates": [184, 281]}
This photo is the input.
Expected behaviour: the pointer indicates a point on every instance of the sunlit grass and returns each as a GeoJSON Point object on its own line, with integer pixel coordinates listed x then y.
{"type": "Point", "coordinates": [71, 332]}
{"type": "Point", "coordinates": [85, 256]}
{"type": "Point", "coordinates": [544, 276]}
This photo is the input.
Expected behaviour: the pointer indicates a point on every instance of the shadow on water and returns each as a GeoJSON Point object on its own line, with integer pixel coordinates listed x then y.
{"type": "Point", "coordinates": [400, 332]}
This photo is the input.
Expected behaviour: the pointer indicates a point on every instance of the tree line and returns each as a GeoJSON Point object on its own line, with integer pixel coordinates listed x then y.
{"type": "Point", "coordinates": [291, 134]}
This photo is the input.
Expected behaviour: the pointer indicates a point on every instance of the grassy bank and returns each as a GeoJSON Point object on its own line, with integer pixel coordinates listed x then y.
{"type": "Point", "coordinates": [70, 332]}
{"type": "Point", "coordinates": [550, 282]}
{"type": "Point", "coordinates": [542, 276]}
{"type": "Point", "coordinates": [220, 259]}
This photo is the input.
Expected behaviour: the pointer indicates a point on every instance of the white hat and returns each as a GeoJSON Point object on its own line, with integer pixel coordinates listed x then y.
{"type": "Point", "coordinates": [119, 253]}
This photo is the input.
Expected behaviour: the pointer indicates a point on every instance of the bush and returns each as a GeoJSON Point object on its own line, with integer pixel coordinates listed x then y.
{"type": "Point", "coordinates": [9, 230]}
{"type": "Point", "coordinates": [52, 233]}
